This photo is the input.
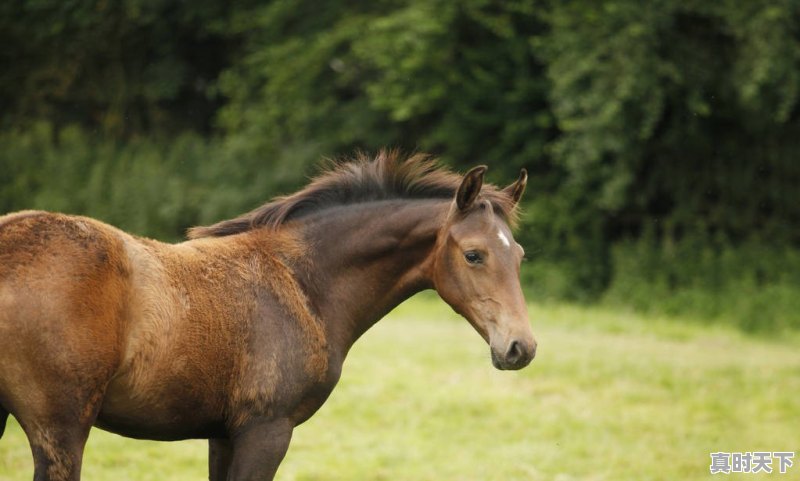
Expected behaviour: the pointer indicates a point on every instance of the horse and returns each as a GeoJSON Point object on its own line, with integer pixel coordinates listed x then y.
{"type": "Point", "coordinates": [238, 334]}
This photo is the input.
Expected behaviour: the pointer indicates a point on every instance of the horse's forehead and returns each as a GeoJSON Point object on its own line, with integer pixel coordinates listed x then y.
{"type": "Point", "coordinates": [488, 225]}
{"type": "Point", "coordinates": [503, 236]}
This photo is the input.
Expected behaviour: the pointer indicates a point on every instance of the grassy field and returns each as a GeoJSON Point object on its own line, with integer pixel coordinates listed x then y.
{"type": "Point", "coordinates": [611, 396]}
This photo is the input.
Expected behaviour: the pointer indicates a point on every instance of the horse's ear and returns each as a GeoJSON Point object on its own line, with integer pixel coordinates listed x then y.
{"type": "Point", "coordinates": [516, 189]}
{"type": "Point", "coordinates": [470, 187]}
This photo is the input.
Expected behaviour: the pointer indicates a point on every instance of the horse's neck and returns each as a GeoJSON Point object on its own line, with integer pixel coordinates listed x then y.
{"type": "Point", "coordinates": [367, 259]}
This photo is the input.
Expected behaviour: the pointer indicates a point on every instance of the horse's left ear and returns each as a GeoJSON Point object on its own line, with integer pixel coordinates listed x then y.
{"type": "Point", "coordinates": [470, 187]}
{"type": "Point", "coordinates": [516, 189]}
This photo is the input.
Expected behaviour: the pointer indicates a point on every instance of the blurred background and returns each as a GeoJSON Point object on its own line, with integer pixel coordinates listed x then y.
{"type": "Point", "coordinates": [662, 137]}
{"type": "Point", "coordinates": [661, 221]}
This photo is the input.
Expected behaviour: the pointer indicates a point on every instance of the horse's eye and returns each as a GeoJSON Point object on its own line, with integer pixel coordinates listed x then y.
{"type": "Point", "coordinates": [473, 257]}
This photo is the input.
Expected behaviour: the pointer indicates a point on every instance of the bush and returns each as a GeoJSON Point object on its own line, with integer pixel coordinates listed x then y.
{"type": "Point", "coordinates": [754, 286]}
{"type": "Point", "coordinates": [148, 187]}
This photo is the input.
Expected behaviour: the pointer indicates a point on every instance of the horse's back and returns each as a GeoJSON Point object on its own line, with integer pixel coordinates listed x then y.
{"type": "Point", "coordinates": [63, 298]}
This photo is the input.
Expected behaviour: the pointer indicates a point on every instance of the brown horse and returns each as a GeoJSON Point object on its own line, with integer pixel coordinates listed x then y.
{"type": "Point", "coordinates": [238, 334]}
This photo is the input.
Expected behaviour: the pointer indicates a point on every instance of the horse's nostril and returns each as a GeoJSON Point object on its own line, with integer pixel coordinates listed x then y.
{"type": "Point", "coordinates": [514, 351]}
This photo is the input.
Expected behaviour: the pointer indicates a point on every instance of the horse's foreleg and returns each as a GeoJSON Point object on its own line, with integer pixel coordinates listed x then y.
{"type": "Point", "coordinates": [219, 459]}
{"type": "Point", "coordinates": [57, 429]}
{"type": "Point", "coordinates": [57, 451]}
{"type": "Point", "coordinates": [258, 449]}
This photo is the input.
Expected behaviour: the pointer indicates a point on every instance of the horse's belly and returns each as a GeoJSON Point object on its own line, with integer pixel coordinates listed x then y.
{"type": "Point", "coordinates": [142, 427]}
{"type": "Point", "coordinates": [159, 413]}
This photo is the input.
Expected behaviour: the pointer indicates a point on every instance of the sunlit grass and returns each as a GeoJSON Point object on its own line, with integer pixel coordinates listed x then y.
{"type": "Point", "coordinates": [611, 396]}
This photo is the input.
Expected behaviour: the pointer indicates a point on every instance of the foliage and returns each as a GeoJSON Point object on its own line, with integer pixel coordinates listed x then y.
{"type": "Point", "coordinates": [459, 79]}
{"type": "Point", "coordinates": [752, 286]}
{"type": "Point", "coordinates": [672, 121]}
{"type": "Point", "coordinates": [126, 68]}
{"type": "Point", "coordinates": [150, 188]}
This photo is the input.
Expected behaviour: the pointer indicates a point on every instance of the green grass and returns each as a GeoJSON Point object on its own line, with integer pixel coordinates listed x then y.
{"type": "Point", "coordinates": [611, 396]}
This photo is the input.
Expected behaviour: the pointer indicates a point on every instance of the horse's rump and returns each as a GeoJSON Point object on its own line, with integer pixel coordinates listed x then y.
{"type": "Point", "coordinates": [63, 294]}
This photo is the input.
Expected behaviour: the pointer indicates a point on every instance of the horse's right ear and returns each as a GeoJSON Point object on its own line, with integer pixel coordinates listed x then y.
{"type": "Point", "coordinates": [516, 189]}
{"type": "Point", "coordinates": [470, 187]}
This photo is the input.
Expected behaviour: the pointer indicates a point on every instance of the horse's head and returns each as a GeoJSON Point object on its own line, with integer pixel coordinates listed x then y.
{"type": "Point", "coordinates": [476, 271]}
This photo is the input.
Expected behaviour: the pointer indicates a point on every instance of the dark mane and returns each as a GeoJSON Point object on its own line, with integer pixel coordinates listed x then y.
{"type": "Point", "coordinates": [389, 175]}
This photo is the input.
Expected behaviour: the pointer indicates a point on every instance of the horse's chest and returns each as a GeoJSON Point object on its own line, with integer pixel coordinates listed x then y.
{"type": "Point", "coordinates": [282, 386]}
{"type": "Point", "coordinates": [285, 368]}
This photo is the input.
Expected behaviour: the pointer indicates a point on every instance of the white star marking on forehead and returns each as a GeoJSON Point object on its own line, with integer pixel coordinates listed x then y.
{"type": "Point", "coordinates": [503, 238]}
